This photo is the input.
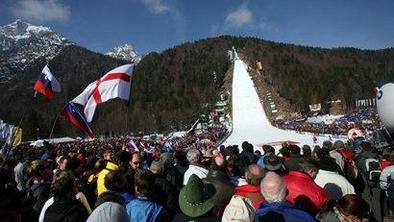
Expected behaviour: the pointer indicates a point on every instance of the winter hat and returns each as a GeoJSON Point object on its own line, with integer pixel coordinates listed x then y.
{"type": "Point", "coordinates": [272, 162]}
{"type": "Point", "coordinates": [240, 209]}
{"type": "Point", "coordinates": [196, 198]}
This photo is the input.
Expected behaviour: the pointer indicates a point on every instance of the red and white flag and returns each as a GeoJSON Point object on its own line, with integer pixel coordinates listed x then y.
{"type": "Point", "coordinates": [115, 84]}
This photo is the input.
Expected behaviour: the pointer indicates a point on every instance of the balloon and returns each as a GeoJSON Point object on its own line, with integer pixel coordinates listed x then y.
{"type": "Point", "coordinates": [385, 105]}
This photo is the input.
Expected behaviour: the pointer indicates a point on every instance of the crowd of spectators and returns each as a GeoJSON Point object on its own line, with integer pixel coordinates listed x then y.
{"type": "Point", "coordinates": [366, 117]}
{"type": "Point", "coordinates": [192, 179]}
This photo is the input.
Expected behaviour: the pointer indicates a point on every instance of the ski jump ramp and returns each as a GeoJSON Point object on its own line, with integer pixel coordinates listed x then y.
{"type": "Point", "coordinates": [249, 120]}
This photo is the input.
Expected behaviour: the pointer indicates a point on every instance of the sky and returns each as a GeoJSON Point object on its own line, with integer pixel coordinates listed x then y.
{"type": "Point", "coordinates": [156, 25]}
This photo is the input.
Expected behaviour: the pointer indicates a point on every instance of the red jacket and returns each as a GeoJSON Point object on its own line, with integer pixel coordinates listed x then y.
{"type": "Point", "coordinates": [385, 163]}
{"type": "Point", "coordinates": [347, 154]}
{"type": "Point", "coordinates": [251, 192]}
{"type": "Point", "coordinates": [304, 192]}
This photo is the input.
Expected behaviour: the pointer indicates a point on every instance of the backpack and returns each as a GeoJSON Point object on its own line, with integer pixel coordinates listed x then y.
{"type": "Point", "coordinates": [373, 171]}
{"type": "Point", "coordinates": [390, 188]}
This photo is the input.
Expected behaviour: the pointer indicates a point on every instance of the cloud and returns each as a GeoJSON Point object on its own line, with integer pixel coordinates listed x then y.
{"type": "Point", "coordinates": [242, 16]}
{"type": "Point", "coordinates": [156, 6]}
{"type": "Point", "coordinates": [41, 10]}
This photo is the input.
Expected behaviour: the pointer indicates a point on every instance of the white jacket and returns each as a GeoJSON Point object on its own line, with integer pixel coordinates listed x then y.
{"type": "Point", "coordinates": [335, 184]}
{"type": "Point", "coordinates": [197, 170]}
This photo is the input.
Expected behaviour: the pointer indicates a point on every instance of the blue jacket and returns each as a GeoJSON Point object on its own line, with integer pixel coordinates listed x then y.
{"type": "Point", "coordinates": [144, 210]}
{"type": "Point", "coordinates": [282, 212]}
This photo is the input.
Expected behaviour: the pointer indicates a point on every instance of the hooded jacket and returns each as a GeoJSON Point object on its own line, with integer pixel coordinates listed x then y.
{"type": "Point", "coordinates": [304, 192]}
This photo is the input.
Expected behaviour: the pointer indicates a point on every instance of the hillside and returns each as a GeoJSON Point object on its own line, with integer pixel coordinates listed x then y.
{"type": "Point", "coordinates": [170, 89]}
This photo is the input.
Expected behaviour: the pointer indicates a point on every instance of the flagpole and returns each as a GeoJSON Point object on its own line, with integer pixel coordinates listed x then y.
{"type": "Point", "coordinates": [53, 126]}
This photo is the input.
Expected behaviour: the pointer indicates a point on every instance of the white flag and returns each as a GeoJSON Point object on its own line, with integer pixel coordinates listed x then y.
{"type": "Point", "coordinates": [115, 84]}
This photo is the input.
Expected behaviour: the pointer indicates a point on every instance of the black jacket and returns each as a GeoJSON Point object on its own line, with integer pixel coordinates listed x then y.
{"type": "Point", "coordinates": [66, 211]}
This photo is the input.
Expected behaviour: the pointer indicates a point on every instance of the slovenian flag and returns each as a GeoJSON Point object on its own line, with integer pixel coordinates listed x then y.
{"type": "Point", "coordinates": [71, 113]}
{"type": "Point", "coordinates": [47, 84]}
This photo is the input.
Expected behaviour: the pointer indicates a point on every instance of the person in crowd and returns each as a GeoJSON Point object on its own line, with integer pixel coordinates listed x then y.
{"type": "Point", "coordinates": [387, 185]}
{"type": "Point", "coordinates": [169, 170]}
{"type": "Point", "coordinates": [274, 163]}
{"type": "Point", "coordinates": [239, 209]}
{"type": "Point", "coordinates": [38, 186]}
{"type": "Point", "coordinates": [196, 202]}
{"type": "Point", "coordinates": [323, 157]}
{"type": "Point", "coordinates": [294, 159]}
{"type": "Point", "coordinates": [66, 207]}
{"type": "Point", "coordinates": [367, 162]}
{"type": "Point", "coordinates": [79, 196]}
{"type": "Point", "coordinates": [253, 175]}
{"type": "Point", "coordinates": [194, 157]}
{"type": "Point", "coordinates": [267, 151]}
{"type": "Point", "coordinates": [20, 170]}
{"type": "Point", "coordinates": [335, 184]}
{"type": "Point", "coordinates": [144, 208]}
{"type": "Point", "coordinates": [224, 188]}
{"type": "Point", "coordinates": [165, 193]}
{"type": "Point", "coordinates": [303, 192]}
{"type": "Point", "coordinates": [63, 163]}
{"type": "Point", "coordinates": [107, 154]}
{"type": "Point", "coordinates": [339, 159]}
{"type": "Point", "coordinates": [276, 208]}
{"type": "Point", "coordinates": [136, 161]}
{"type": "Point", "coordinates": [110, 206]}
{"type": "Point", "coordinates": [349, 208]}
{"type": "Point", "coordinates": [116, 182]}
{"type": "Point", "coordinates": [306, 151]}
{"type": "Point", "coordinates": [285, 152]}
{"type": "Point", "coordinates": [387, 158]}
{"type": "Point", "coordinates": [109, 211]}
{"type": "Point", "coordinates": [120, 162]}
{"type": "Point", "coordinates": [247, 153]}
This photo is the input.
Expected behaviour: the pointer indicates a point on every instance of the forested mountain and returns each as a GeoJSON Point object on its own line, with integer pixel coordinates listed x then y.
{"type": "Point", "coordinates": [172, 88]}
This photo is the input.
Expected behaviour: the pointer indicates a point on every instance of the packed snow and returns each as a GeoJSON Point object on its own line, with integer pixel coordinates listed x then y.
{"type": "Point", "coordinates": [250, 122]}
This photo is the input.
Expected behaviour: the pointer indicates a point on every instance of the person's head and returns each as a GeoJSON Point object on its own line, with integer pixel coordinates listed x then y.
{"type": "Point", "coordinates": [353, 208]}
{"type": "Point", "coordinates": [273, 188]}
{"type": "Point", "coordinates": [244, 146]}
{"type": "Point", "coordinates": [136, 161]}
{"type": "Point", "coordinates": [63, 186]}
{"type": "Point", "coordinates": [254, 174]}
{"type": "Point", "coordinates": [285, 151]}
{"type": "Point", "coordinates": [99, 165]}
{"type": "Point", "coordinates": [366, 146]}
{"type": "Point", "coordinates": [338, 144]}
{"type": "Point", "coordinates": [115, 181]}
{"type": "Point", "coordinates": [122, 158]}
{"type": "Point", "coordinates": [295, 150]}
{"type": "Point", "coordinates": [306, 151]}
{"type": "Point", "coordinates": [108, 154]}
{"type": "Point", "coordinates": [40, 168]}
{"type": "Point", "coordinates": [156, 167]}
{"type": "Point", "coordinates": [310, 167]}
{"type": "Point", "coordinates": [194, 156]}
{"type": "Point", "coordinates": [268, 149]}
{"type": "Point", "coordinates": [109, 197]}
{"type": "Point", "coordinates": [327, 144]}
{"type": "Point", "coordinates": [167, 159]}
{"type": "Point", "coordinates": [144, 183]}
{"type": "Point", "coordinates": [272, 163]}
{"type": "Point", "coordinates": [64, 162]}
